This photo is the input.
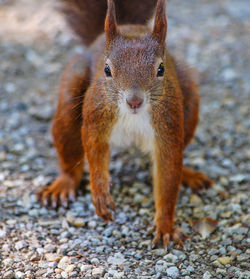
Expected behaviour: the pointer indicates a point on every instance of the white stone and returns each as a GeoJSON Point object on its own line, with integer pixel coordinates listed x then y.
{"type": "Point", "coordinates": [69, 268]}
{"type": "Point", "coordinates": [206, 275]}
{"type": "Point", "coordinates": [173, 272]}
{"type": "Point", "coordinates": [20, 274]}
{"type": "Point", "coordinates": [52, 257]}
{"type": "Point", "coordinates": [85, 267]}
{"type": "Point", "coordinates": [7, 262]}
{"type": "Point", "coordinates": [2, 233]}
{"type": "Point", "coordinates": [64, 262]}
{"type": "Point", "coordinates": [170, 258]}
{"type": "Point", "coordinates": [92, 224]}
{"type": "Point", "coordinates": [98, 271]}
{"type": "Point", "coordinates": [8, 275]}
{"type": "Point", "coordinates": [94, 261]}
{"type": "Point", "coordinates": [64, 274]}
{"type": "Point", "coordinates": [118, 275]}
{"type": "Point", "coordinates": [50, 248]}
{"type": "Point", "coordinates": [21, 244]}
{"type": "Point", "coordinates": [117, 259]}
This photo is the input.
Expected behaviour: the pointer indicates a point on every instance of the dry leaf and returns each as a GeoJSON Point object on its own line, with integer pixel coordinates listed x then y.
{"type": "Point", "coordinates": [205, 226]}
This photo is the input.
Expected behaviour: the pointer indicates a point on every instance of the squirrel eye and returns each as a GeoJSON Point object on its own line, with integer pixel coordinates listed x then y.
{"type": "Point", "coordinates": [160, 71]}
{"type": "Point", "coordinates": [107, 71]}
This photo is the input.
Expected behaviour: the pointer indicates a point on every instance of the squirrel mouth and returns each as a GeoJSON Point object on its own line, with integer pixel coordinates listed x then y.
{"type": "Point", "coordinates": [134, 110]}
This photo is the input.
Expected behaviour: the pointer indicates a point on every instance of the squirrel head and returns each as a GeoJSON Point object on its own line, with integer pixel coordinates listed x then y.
{"type": "Point", "coordinates": [134, 64]}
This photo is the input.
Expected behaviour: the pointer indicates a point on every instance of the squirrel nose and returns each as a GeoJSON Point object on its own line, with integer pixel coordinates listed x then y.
{"type": "Point", "coordinates": [134, 102]}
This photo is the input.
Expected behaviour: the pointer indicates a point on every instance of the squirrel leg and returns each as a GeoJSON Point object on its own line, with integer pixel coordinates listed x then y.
{"type": "Point", "coordinates": [166, 189]}
{"type": "Point", "coordinates": [66, 132]}
{"type": "Point", "coordinates": [168, 164]}
{"type": "Point", "coordinates": [98, 155]}
{"type": "Point", "coordinates": [196, 180]}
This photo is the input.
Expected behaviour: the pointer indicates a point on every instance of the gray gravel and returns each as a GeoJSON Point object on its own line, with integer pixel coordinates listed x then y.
{"type": "Point", "coordinates": [35, 242]}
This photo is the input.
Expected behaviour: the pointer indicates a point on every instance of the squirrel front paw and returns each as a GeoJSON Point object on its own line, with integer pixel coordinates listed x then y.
{"type": "Point", "coordinates": [60, 192]}
{"type": "Point", "coordinates": [103, 204]}
{"type": "Point", "coordinates": [196, 180]}
{"type": "Point", "coordinates": [175, 235]}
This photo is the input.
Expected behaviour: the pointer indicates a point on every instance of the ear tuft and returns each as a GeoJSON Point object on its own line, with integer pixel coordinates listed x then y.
{"type": "Point", "coordinates": [160, 24]}
{"type": "Point", "coordinates": [111, 28]}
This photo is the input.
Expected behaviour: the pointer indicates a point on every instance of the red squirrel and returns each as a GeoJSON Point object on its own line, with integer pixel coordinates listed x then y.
{"type": "Point", "coordinates": [126, 89]}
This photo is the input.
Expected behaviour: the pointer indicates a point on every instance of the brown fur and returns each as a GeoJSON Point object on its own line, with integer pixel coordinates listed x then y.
{"type": "Point", "coordinates": [83, 124]}
{"type": "Point", "coordinates": [86, 17]}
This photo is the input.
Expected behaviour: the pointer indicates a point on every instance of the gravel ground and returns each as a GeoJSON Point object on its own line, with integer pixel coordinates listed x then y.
{"type": "Point", "coordinates": [35, 242]}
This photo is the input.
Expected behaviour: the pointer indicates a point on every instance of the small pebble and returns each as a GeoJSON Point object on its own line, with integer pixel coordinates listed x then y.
{"type": "Point", "coordinates": [173, 272]}
{"type": "Point", "coordinates": [20, 274]}
{"type": "Point", "coordinates": [21, 244]}
{"type": "Point", "coordinates": [225, 260]}
{"type": "Point", "coordinates": [63, 263]}
{"type": "Point", "coordinates": [94, 261]}
{"type": "Point", "coordinates": [85, 267]}
{"type": "Point", "coordinates": [98, 271]}
{"type": "Point", "coordinates": [207, 275]}
{"type": "Point", "coordinates": [8, 274]}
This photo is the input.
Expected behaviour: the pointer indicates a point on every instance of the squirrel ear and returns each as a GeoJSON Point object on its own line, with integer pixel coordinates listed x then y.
{"type": "Point", "coordinates": [111, 28]}
{"type": "Point", "coordinates": [160, 23]}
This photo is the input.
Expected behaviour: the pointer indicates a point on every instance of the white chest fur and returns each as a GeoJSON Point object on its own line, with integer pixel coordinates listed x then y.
{"type": "Point", "coordinates": [134, 129]}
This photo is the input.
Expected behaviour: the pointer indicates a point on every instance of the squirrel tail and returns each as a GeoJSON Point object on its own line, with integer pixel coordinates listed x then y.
{"type": "Point", "coordinates": [86, 17]}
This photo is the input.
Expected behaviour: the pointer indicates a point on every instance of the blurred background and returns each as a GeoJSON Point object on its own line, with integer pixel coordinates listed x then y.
{"type": "Point", "coordinates": [35, 44]}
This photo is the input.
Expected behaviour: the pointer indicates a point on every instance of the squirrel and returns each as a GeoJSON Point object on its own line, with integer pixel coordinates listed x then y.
{"type": "Point", "coordinates": [124, 89]}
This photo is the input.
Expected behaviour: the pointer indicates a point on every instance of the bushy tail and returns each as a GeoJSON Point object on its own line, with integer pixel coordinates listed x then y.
{"type": "Point", "coordinates": [86, 17]}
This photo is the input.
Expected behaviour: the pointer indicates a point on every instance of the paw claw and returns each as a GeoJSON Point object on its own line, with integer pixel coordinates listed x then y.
{"type": "Point", "coordinates": [65, 204]}
{"type": "Point", "coordinates": [176, 235]}
{"type": "Point", "coordinates": [154, 244]}
{"type": "Point", "coordinates": [54, 204]}
{"type": "Point", "coordinates": [45, 202]}
{"type": "Point", "coordinates": [110, 183]}
{"type": "Point", "coordinates": [112, 206]}
{"type": "Point", "coordinates": [60, 192]}
{"type": "Point", "coordinates": [103, 203]}
{"type": "Point", "coordinates": [72, 196]}
{"type": "Point", "coordinates": [196, 180]}
{"type": "Point", "coordinates": [166, 240]}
